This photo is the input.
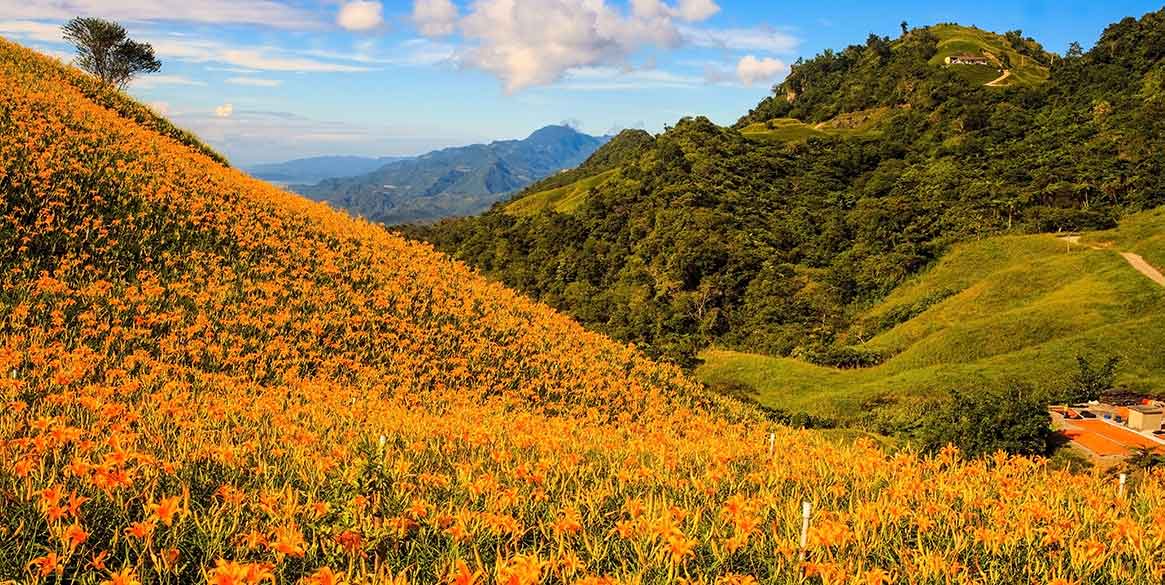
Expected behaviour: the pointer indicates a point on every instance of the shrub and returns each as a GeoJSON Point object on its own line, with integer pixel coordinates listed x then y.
{"type": "Point", "coordinates": [1013, 420]}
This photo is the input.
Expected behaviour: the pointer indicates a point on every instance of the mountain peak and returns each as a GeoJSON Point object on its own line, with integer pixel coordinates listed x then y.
{"type": "Point", "coordinates": [553, 132]}
{"type": "Point", "coordinates": [456, 181]}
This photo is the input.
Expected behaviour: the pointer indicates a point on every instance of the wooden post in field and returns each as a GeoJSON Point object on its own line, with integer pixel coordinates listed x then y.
{"type": "Point", "coordinates": [1121, 489]}
{"type": "Point", "coordinates": [772, 444]}
{"type": "Point", "coordinates": [806, 509]}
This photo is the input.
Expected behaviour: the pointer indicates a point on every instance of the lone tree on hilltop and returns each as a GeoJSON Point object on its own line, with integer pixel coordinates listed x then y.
{"type": "Point", "coordinates": [105, 50]}
{"type": "Point", "coordinates": [1075, 51]}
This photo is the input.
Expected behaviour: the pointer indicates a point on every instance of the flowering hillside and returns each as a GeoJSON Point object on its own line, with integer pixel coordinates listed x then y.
{"type": "Point", "coordinates": [209, 380]}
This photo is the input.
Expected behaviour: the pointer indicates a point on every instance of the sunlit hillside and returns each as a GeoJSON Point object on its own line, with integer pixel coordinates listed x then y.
{"type": "Point", "coordinates": [1023, 69]}
{"type": "Point", "coordinates": [208, 379]}
{"type": "Point", "coordinates": [989, 312]}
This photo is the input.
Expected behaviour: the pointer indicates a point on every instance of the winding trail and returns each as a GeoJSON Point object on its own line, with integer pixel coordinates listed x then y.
{"type": "Point", "coordinates": [1135, 260]}
{"type": "Point", "coordinates": [1144, 267]}
{"type": "Point", "coordinates": [999, 80]}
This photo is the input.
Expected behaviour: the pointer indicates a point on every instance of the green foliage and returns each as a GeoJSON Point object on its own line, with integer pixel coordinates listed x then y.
{"type": "Point", "coordinates": [105, 50]}
{"type": "Point", "coordinates": [625, 146]}
{"type": "Point", "coordinates": [1089, 382]}
{"type": "Point", "coordinates": [844, 357]}
{"type": "Point", "coordinates": [800, 420]}
{"type": "Point", "coordinates": [1070, 460]}
{"type": "Point", "coordinates": [1143, 234]}
{"type": "Point", "coordinates": [563, 199]}
{"type": "Point", "coordinates": [708, 235]}
{"type": "Point", "coordinates": [1012, 308]}
{"type": "Point", "coordinates": [1013, 420]}
{"type": "Point", "coordinates": [900, 314]}
{"type": "Point", "coordinates": [1145, 459]}
{"type": "Point", "coordinates": [865, 123]}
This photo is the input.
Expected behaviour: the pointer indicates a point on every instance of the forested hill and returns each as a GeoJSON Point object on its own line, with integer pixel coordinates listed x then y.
{"type": "Point", "coordinates": [906, 72]}
{"type": "Point", "coordinates": [768, 238]}
{"type": "Point", "coordinates": [455, 181]}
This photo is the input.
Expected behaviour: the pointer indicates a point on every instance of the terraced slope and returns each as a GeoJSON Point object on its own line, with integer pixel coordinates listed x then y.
{"type": "Point", "coordinates": [210, 380]}
{"type": "Point", "coordinates": [1018, 307]}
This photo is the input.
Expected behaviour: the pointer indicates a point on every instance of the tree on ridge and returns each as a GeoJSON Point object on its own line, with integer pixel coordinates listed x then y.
{"type": "Point", "coordinates": [105, 50]}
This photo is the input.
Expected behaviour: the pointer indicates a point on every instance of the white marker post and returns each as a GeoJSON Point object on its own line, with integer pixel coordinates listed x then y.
{"type": "Point", "coordinates": [772, 444]}
{"type": "Point", "coordinates": [806, 509]}
{"type": "Point", "coordinates": [1121, 489]}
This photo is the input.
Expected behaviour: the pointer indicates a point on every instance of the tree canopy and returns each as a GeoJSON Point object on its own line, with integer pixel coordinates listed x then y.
{"type": "Point", "coordinates": [105, 50]}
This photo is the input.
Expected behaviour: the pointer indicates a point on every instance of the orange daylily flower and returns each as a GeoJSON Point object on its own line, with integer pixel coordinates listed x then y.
{"type": "Point", "coordinates": [74, 535]}
{"type": "Point", "coordinates": [287, 540]}
{"type": "Point", "coordinates": [166, 509]}
{"type": "Point", "coordinates": [324, 576]}
{"type": "Point", "coordinates": [126, 576]}
{"type": "Point", "coordinates": [47, 564]}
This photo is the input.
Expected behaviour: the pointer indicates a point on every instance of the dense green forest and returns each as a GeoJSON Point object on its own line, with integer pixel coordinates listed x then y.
{"type": "Point", "coordinates": [706, 234]}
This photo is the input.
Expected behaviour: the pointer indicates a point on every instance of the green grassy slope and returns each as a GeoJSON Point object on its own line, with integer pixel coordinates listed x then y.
{"type": "Point", "coordinates": [1013, 308]}
{"type": "Point", "coordinates": [1143, 233]}
{"type": "Point", "coordinates": [792, 130]}
{"type": "Point", "coordinates": [955, 39]}
{"type": "Point", "coordinates": [781, 130]}
{"type": "Point", "coordinates": [563, 199]}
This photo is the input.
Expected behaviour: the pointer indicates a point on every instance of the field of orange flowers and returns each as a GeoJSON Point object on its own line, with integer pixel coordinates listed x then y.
{"type": "Point", "coordinates": [205, 379]}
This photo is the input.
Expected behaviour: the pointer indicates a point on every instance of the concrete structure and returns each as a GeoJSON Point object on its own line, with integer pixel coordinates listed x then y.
{"type": "Point", "coordinates": [1145, 418]}
{"type": "Point", "coordinates": [967, 59]}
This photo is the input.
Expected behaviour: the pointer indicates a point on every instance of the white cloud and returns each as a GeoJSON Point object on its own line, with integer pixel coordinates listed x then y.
{"type": "Point", "coordinates": [224, 111]}
{"type": "Point", "coordinates": [251, 136]}
{"type": "Point", "coordinates": [239, 70]}
{"type": "Point", "coordinates": [254, 82]}
{"type": "Point", "coordinates": [360, 15]}
{"type": "Point", "coordinates": [605, 78]}
{"type": "Point", "coordinates": [250, 58]}
{"type": "Point", "coordinates": [688, 10]}
{"type": "Point", "coordinates": [155, 80]}
{"type": "Point", "coordinates": [741, 39]}
{"type": "Point", "coordinates": [183, 47]}
{"type": "Point", "coordinates": [419, 51]}
{"type": "Point", "coordinates": [261, 12]}
{"type": "Point", "coordinates": [751, 70]}
{"type": "Point", "coordinates": [27, 29]}
{"type": "Point", "coordinates": [534, 42]}
{"type": "Point", "coordinates": [435, 18]}
{"type": "Point", "coordinates": [160, 108]}
{"type": "Point", "coordinates": [697, 10]}
{"type": "Point", "coordinates": [424, 52]}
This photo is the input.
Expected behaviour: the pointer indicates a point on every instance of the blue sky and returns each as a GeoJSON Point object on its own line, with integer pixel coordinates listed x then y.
{"type": "Point", "coordinates": [269, 80]}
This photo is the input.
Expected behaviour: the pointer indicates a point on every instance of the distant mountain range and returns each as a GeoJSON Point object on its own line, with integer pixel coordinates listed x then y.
{"type": "Point", "coordinates": [455, 181]}
{"type": "Point", "coordinates": [318, 168]}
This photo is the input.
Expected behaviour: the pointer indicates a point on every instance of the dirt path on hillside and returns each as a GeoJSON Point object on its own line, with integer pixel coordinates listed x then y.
{"type": "Point", "coordinates": [1135, 260]}
{"type": "Point", "coordinates": [999, 80]}
{"type": "Point", "coordinates": [1144, 267]}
